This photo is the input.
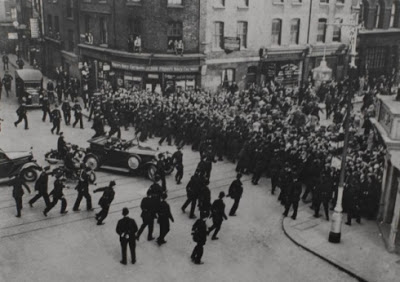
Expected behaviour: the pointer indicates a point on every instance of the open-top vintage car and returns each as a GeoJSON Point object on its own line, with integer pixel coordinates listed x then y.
{"type": "Point", "coordinates": [18, 163]}
{"type": "Point", "coordinates": [125, 156]}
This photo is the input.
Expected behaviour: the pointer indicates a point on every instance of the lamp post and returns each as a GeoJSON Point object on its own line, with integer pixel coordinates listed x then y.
{"type": "Point", "coordinates": [337, 216]}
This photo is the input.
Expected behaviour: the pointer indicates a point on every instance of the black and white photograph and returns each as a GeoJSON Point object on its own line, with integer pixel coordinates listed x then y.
{"type": "Point", "coordinates": [200, 140]}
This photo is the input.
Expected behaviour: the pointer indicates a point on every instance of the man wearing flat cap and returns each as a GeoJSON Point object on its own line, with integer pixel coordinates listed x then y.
{"type": "Point", "coordinates": [105, 201]}
{"type": "Point", "coordinates": [41, 186]}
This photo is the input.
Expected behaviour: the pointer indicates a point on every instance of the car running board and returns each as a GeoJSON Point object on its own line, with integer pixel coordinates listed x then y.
{"type": "Point", "coordinates": [115, 168]}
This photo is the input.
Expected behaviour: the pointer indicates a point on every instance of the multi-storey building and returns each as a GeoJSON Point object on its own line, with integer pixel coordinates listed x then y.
{"type": "Point", "coordinates": [277, 39]}
{"type": "Point", "coordinates": [8, 14]}
{"type": "Point", "coordinates": [61, 34]}
{"type": "Point", "coordinates": [108, 29]}
{"type": "Point", "coordinates": [379, 39]}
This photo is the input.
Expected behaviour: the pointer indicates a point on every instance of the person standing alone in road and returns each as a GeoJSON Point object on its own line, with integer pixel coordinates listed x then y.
{"type": "Point", "coordinates": [105, 201]}
{"type": "Point", "coordinates": [126, 229]}
{"type": "Point", "coordinates": [18, 192]}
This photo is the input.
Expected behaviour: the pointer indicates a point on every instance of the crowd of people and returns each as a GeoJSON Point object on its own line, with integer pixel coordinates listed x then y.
{"type": "Point", "coordinates": [272, 131]}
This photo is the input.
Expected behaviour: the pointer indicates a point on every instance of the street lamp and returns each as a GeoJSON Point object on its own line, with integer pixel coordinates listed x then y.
{"type": "Point", "coordinates": [337, 216]}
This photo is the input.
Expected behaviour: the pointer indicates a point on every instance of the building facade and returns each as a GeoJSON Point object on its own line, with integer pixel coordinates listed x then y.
{"type": "Point", "coordinates": [108, 30]}
{"type": "Point", "coordinates": [379, 39]}
{"type": "Point", "coordinates": [8, 14]}
{"type": "Point", "coordinates": [279, 40]}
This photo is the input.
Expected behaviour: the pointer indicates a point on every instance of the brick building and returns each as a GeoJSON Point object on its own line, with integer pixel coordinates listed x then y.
{"type": "Point", "coordinates": [8, 14]}
{"type": "Point", "coordinates": [379, 40]}
{"type": "Point", "coordinates": [61, 34]}
{"type": "Point", "coordinates": [105, 33]}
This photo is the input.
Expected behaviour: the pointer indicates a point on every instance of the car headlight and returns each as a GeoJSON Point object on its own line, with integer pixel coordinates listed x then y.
{"type": "Point", "coordinates": [40, 96]}
{"type": "Point", "coordinates": [29, 96]}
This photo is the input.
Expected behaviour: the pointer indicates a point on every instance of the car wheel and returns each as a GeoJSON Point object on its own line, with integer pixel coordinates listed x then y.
{"type": "Point", "coordinates": [92, 162]}
{"type": "Point", "coordinates": [29, 174]}
{"type": "Point", "coordinates": [92, 177]}
{"type": "Point", "coordinates": [133, 163]}
{"type": "Point", "coordinates": [152, 172]}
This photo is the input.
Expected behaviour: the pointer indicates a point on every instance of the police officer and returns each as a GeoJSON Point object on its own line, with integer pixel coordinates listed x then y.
{"type": "Point", "coordinates": [7, 83]}
{"type": "Point", "coordinates": [149, 209]}
{"type": "Point", "coordinates": [61, 146]}
{"type": "Point", "coordinates": [46, 108]}
{"type": "Point", "coordinates": [199, 235]}
{"type": "Point", "coordinates": [56, 115]}
{"type": "Point", "coordinates": [218, 215]}
{"type": "Point", "coordinates": [161, 171]}
{"type": "Point", "coordinates": [177, 159]}
{"type": "Point", "coordinates": [105, 201]}
{"type": "Point", "coordinates": [323, 193]}
{"type": "Point", "coordinates": [21, 112]}
{"type": "Point", "coordinates": [58, 195]}
{"type": "Point", "coordinates": [78, 114]}
{"type": "Point", "coordinates": [293, 197]}
{"type": "Point", "coordinates": [204, 198]}
{"type": "Point", "coordinates": [18, 192]}
{"type": "Point", "coordinates": [126, 229]}
{"type": "Point", "coordinates": [98, 126]}
{"type": "Point", "coordinates": [41, 186]}
{"type": "Point", "coordinates": [66, 109]}
{"type": "Point", "coordinates": [192, 192]}
{"type": "Point", "coordinates": [164, 216]}
{"type": "Point", "coordinates": [235, 192]}
{"type": "Point", "coordinates": [50, 92]}
{"type": "Point", "coordinates": [83, 190]}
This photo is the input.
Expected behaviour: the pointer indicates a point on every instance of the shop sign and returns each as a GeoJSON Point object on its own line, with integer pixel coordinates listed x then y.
{"type": "Point", "coordinates": [35, 29]}
{"type": "Point", "coordinates": [231, 44]}
{"type": "Point", "coordinates": [12, 35]}
{"type": "Point", "coordinates": [153, 76]}
{"type": "Point", "coordinates": [145, 68]}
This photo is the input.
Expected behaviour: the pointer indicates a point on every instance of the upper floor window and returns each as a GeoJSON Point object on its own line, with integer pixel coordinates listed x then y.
{"type": "Point", "coordinates": [103, 31]}
{"type": "Point", "coordinates": [219, 3]}
{"type": "Point", "coordinates": [49, 22]}
{"type": "Point", "coordinates": [276, 31]}
{"type": "Point", "coordinates": [175, 2]}
{"type": "Point", "coordinates": [294, 31]}
{"type": "Point", "coordinates": [133, 1]}
{"type": "Point", "coordinates": [337, 30]}
{"type": "Point", "coordinates": [339, 1]}
{"type": "Point", "coordinates": [324, 1]}
{"type": "Point", "coordinates": [243, 3]}
{"type": "Point", "coordinates": [393, 15]}
{"type": "Point", "coordinates": [377, 15]}
{"type": "Point", "coordinates": [71, 43]}
{"type": "Point", "coordinates": [218, 35]}
{"type": "Point", "coordinates": [242, 33]}
{"type": "Point", "coordinates": [174, 34]}
{"type": "Point", "coordinates": [70, 7]}
{"type": "Point", "coordinates": [321, 30]}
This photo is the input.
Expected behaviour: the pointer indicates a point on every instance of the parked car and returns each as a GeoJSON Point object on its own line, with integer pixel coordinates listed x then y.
{"type": "Point", "coordinates": [15, 163]}
{"type": "Point", "coordinates": [29, 87]}
{"type": "Point", "coordinates": [126, 156]}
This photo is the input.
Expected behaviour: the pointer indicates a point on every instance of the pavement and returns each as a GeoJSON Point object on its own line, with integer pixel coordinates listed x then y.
{"type": "Point", "coordinates": [257, 245]}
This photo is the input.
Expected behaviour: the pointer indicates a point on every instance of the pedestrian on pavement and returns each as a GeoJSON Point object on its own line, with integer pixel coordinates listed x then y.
{"type": "Point", "coordinates": [218, 215]}
{"type": "Point", "coordinates": [161, 171]}
{"type": "Point", "coordinates": [293, 197]}
{"type": "Point", "coordinates": [149, 213]}
{"type": "Point", "coordinates": [59, 91]}
{"type": "Point", "coordinates": [83, 189]}
{"type": "Point", "coordinates": [66, 109]}
{"type": "Point", "coordinates": [105, 201]}
{"type": "Point", "coordinates": [46, 108]}
{"type": "Point", "coordinates": [126, 229]}
{"type": "Point", "coordinates": [323, 194]}
{"type": "Point", "coordinates": [1, 87]}
{"type": "Point", "coordinates": [21, 112]}
{"type": "Point", "coordinates": [78, 114]}
{"type": "Point", "coordinates": [235, 192]}
{"type": "Point", "coordinates": [20, 63]}
{"type": "Point", "coordinates": [41, 187]}
{"type": "Point", "coordinates": [5, 61]}
{"type": "Point", "coordinates": [18, 192]}
{"type": "Point", "coordinates": [58, 195]}
{"type": "Point", "coordinates": [7, 83]}
{"type": "Point", "coordinates": [177, 160]}
{"type": "Point", "coordinates": [56, 115]}
{"type": "Point", "coordinates": [199, 235]}
{"type": "Point", "coordinates": [164, 216]}
{"type": "Point", "coordinates": [50, 92]}
{"type": "Point", "coordinates": [192, 193]}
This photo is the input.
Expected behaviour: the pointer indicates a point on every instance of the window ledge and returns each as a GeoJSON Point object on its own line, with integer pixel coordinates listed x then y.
{"type": "Point", "coordinates": [134, 4]}
{"type": "Point", "coordinates": [175, 6]}
{"type": "Point", "coordinates": [340, 4]}
{"type": "Point", "coordinates": [242, 7]}
{"type": "Point", "coordinates": [218, 7]}
{"type": "Point", "coordinates": [278, 3]}
{"type": "Point", "coordinates": [324, 4]}
{"type": "Point", "coordinates": [103, 45]}
{"type": "Point", "coordinates": [297, 3]}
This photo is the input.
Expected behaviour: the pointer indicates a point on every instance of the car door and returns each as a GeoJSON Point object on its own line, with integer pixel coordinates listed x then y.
{"type": "Point", "coordinates": [6, 165]}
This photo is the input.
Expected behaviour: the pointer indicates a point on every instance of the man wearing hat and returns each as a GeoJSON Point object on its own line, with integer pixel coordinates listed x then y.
{"type": "Point", "coordinates": [105, 201]}
{"type": "Point", "coordinates": [177, 159]}
{"type": "Point", "coordinates": [56, 116]}
{"type": "Point", "coordinates": [164, 216]}
{"type": "Point", "coordinates": [235, 192]}
{"type": "Point", "coordinates": [18, 192]}
{"type": "Point", "coordinates": [199, 235]}
{"type": "Point", "coordinates": [83, 189]}
{"type": "Point", "coordinates": [41, 186]}
{"type": "Point", "coordinates": [78, 114]}
{"type": "Point", "coordinates": [21, 112]}
{"type": "Point", "coordinates": [66, 109]}
{"type": "Point", "coordinates": [58, 195]}
{"type": "Point", "coordinates": [126, 229]}
{"type": "Point", "coordinates": [218, 215]}
{"type": "Point", "coordinates": [46, 108]}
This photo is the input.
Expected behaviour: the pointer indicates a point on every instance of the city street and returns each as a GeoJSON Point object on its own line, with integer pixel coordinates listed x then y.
{"type": "Point", "coordinates": [72, 247]}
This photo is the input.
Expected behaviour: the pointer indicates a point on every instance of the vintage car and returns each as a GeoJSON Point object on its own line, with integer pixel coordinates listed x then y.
{"type": "Point", "coordinates": [29, 87]}
{"type": "Point", "coordinates": [125, 156]}
{"type": "Point", "coordinates": [18, 163]}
